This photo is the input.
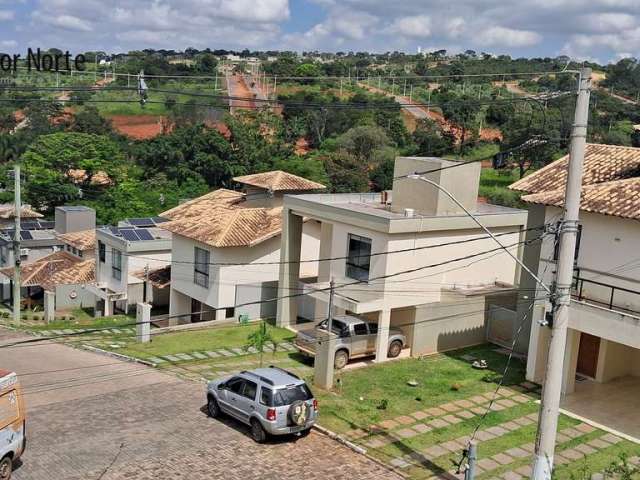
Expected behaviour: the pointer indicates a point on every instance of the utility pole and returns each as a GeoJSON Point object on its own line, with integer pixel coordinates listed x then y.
{"type": "Point", "coordinates": [470, 472]}
{"type": "Point", "coordinates": [16, 247]}
{"type": "Point", "coordinates": [146, 282]}
{"type": "Point", "coordinates": [552, 389]}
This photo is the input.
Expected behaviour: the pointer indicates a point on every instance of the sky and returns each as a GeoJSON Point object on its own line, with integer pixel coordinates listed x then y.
{"type": "Point", "coordinates": [597, 30]}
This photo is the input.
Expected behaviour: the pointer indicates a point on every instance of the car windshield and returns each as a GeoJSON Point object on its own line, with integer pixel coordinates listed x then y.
{"type": "Point", "coordinates": [288, 395]}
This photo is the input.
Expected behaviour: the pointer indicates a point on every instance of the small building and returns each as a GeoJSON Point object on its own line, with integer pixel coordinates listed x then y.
{"type": "Point", "coordinates": [601, 376]}
{"type": "Point", "coordinates": [57, 282]}
{"type": "Point", "coordinates": [226, 249]}
{"type": "Point", "coordinates": [123, 254]}
{"type": "Point", "coordinates": [410, 259]}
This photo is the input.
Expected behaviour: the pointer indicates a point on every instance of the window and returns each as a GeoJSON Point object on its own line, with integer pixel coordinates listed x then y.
{"type": "Point", "coordinates": [360, 329]}
{"type": "Point", "coordinates": [80, 253]}
{"type": "Point", "coordinates": [201, 267]}
{"type": "Point", "coordinates": [288, 395]}
{"type": "Point", "coordinates": [358, 258]}
{"type": "Point", "coordinates": [235, 385]}
{"type": "Point", "coordinates": [266, 397]}
{"type": "Point", "coordinates": [102, 251]}
{"type": "Point", "coordinates": [373, 328]}
{"type": "Point", "coordinates": [116, 264]}
{"type": "Point", "coordinates": [250, 389]}
{"type": "Point", "coordinates": [230, 312]}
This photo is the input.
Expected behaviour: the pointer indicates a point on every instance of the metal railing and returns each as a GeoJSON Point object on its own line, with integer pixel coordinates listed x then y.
{"type": "Point", "coordinates": [579, 294]}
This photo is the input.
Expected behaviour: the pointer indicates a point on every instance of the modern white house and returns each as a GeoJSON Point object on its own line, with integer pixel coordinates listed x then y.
{"type": "Point", "coordinates": [226, 249]}
{"type": "Point", "coordinates": [125, 255]}
{"type": "Point", "coordinates": [602, 357]}
{"type": "Point", "coordinates": [388, 264]}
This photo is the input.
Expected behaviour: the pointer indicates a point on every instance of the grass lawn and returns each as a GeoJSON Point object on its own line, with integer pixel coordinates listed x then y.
{"type": "Point", "coordinates": [362, 391]}
{"type": "Point", "coordinates": [205, 339]}
{"type": "Point", "coordinates": [78, 318]}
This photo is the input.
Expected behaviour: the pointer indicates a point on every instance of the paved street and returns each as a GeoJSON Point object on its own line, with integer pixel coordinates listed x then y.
{"type": "Point", "coordinates": [94, 417]}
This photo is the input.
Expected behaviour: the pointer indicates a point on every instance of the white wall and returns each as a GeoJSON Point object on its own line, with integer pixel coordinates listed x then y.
{"type": "Point", "coordinates": [423, 285]}
{"type": "Point", "coordinates": [224, 279]}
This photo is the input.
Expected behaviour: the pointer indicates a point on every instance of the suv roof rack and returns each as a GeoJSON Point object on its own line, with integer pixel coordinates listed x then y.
{"type": "Point", "coordinates": [285, 371]}
{"type": "Point", "coordinates": [263, 379]}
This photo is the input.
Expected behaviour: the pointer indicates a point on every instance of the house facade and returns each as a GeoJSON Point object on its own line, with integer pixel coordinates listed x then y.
{"type": "Point", "coordinates": [226, 249]}
{"type": "Point", "coordinates": [603, 341]}
{"type": "Point", "coordinates": [125, 255]}
{"type": "Point", "coordinates": [389, 266]}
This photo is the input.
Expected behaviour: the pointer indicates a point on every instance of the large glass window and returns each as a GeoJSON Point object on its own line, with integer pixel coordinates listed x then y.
{"type": "Point", "coordinates": [358, 257]}
{"type": "Point", "coordinates": [116, 264]}
{"type": "Point", "coordinates": [201, 267]}
{"type": "Point", "coordinates": [102, 251]}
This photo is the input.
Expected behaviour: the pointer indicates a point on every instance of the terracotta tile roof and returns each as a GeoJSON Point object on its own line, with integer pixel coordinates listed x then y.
{"type": "Point", "coordinates": [230, 227]}
{"type": "Point", "coordinates": [159, 277]}
{"type": "Point", "coordinates": [59, 268]}
{"type": "Point", "coordinates": [620, 198]}
{"type": "Point", "coordinates": [202, 205]}
{"type": "Point", "coordinates": [7, 209]}
{"type": "Point", "coordinates": [82, 240]}
{"type": "Point", "coordinates": [602, 163]}
{"type": "Point", "coordinates": [278, 180]}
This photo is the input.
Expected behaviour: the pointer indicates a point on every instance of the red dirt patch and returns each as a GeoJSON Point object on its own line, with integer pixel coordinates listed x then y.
{"type": "Point", "coordinates": [141, 127]}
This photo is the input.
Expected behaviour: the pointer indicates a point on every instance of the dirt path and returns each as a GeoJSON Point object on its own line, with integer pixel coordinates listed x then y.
{"type": "Point", "coordinates": [237, 87]}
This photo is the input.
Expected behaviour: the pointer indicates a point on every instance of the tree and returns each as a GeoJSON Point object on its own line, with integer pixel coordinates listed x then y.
{"type": "Point", "coordinates": [463, 114]}
{"type": "Point", "coordinates": [430, 140]}
{"type": "Point", "coordinates": [260, 339]}
{"type": "Point", "coordinates": [362, 141]}
{"type": "Point", "coordinates": [89, 120]}
{"type": "Point", "coordinates": [207, 63]}
{"type": "Point", "coordinates": [49, 160]}
{"type": "Point", "coordinates": [346, 172]}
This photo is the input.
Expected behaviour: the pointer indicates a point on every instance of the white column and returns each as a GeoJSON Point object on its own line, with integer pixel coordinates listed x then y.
{"type": "Point", "coordinates": [143, 325]}
{"type": "Point", "coordinates": [289, 268]}
{"type": "Point", "coordinates": [221, 314]}
{"type": "Point", "coordinates": [382, 343]}
{"type": "Point", "coordinates": [49, 306]}
{"type": "Point", "coordinates": [570, 362]}
{"type": "Point", "coordinates": [108, 308]}
{"type": "Point", "coordinates": [323, 364]}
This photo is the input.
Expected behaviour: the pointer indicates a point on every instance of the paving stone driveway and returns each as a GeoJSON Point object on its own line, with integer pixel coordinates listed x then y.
{"type": "Point", "coordinates": [164, 434]}
{"type": "Point", "coordinates": [88, 414]}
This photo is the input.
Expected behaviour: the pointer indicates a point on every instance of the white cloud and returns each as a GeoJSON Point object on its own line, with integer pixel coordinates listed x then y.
{"type": "Point", "coordinates": [68, 22]}
{"type": "Point", "coordinates": [6, 15]}
{"type": "Point", "coordinates": [508, 37]}
{"type": "Point", "coordinates": [418, 26]}
{"type": "Point", "coordinates": [8, 44]}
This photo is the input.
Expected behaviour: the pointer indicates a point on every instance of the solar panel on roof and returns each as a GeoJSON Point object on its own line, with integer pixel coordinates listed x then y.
{"type": "Point", "coordinates": [159, 219]}
{"type": "Point", "coordinates": [26, 235]}
{"type": "Point", "coordinates": [29, 225]}
{"type": "Point", "coordinates": [141, 222]}
{"type": "Point", "coordinates": [47, 224]}
{"type": "Point", "coordinates": [115, 230]}
{"type": "Point", "coordinates": [129, 234]}
{"type": "Point", "coordinates": [144, 234]}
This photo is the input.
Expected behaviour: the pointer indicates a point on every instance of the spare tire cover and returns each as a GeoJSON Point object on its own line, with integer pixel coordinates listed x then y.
{"type": "Point", "coordinates": [299, 412]}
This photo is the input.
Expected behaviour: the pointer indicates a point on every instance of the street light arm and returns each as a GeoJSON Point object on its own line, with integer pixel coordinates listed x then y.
{"type": "Point", "coordinates": [416, 176]}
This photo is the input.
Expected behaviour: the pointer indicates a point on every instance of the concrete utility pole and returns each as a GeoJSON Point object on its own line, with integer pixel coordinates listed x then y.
{"type": "Point", "coordinates": [551, 393]}
{"type": "Point", "coordinates": [330, 307]}
{"type": "Point", "coordinates": [470, 472]}
{"type": "Point", "coordinates": [16, 247]}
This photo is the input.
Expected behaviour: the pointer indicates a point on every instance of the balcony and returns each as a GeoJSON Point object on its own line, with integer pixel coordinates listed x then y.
{"type": "Point", "coordinates": [606, 295]}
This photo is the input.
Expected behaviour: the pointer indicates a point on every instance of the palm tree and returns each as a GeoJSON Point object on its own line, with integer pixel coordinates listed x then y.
{"type": "Point", "coordinates": [259, 340]}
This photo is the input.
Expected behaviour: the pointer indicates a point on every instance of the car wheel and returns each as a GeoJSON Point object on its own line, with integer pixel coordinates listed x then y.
{"type": "Point", "coordinates": [340, 360]}
{"type": "Point", "coordinates": [394, 349]}
{"type": "Point", "coordinates": [6, 466]}
{"type": "Point", "coordinates": [213, 408]}
{"type": "Point", "coordinates": [257, 432]}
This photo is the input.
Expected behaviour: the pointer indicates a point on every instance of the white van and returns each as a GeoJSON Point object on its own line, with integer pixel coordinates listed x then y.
{"type": "Point", "coordinates": [12, 423]}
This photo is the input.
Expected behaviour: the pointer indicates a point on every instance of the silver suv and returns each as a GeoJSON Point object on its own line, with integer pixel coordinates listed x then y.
{"type": "Point", "coordinates": [269, 400]}
{"type": "Point", "coordinates": [356, 338]}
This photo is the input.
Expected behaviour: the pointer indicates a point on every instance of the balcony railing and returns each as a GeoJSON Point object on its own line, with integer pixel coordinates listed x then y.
{"type": "Point", "coordinates": [608, 295]}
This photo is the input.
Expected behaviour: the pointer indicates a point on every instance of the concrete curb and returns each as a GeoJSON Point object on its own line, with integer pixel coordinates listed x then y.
{"type": "Point", "coordinates": [356, 448]}
{"type": "Point", "coordinates": [119, 356]}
